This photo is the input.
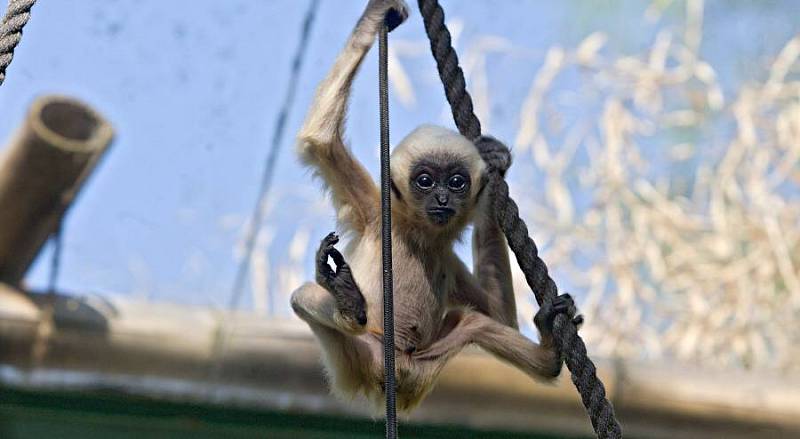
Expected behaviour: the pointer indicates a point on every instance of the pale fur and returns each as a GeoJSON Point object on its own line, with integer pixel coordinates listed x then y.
{"type": "Point", "coordinates": [440, 306]}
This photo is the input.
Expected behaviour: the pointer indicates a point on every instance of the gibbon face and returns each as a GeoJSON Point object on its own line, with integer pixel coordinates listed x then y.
{"type": "Point", "coordinates": [437, 174]}
{"type": "Point", "coordinates": [440, 185]}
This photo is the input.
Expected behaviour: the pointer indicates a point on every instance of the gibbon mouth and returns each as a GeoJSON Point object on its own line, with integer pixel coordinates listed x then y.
{"type": "Point", "coordinates": [441, 215]}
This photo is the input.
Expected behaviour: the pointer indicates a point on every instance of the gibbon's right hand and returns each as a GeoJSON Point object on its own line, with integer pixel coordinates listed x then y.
{"type": "Point", "coordinates": [395, 12]}
{"type": "Point", "coordinates": [340, 283]}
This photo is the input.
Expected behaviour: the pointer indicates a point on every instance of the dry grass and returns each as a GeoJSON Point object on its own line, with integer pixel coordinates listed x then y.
{"type": "Point", "coordinates": [701, 264]}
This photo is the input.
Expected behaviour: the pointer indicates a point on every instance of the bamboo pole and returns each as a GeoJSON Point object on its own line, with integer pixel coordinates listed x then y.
{"type": "Point", "coordinates": [42, 170]}
{"type": "Point", "coordinates": [166, 350]}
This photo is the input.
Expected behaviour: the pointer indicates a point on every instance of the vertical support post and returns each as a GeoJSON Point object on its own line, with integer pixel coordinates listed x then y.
{"type": "Point", "coordinates": [386, 237]}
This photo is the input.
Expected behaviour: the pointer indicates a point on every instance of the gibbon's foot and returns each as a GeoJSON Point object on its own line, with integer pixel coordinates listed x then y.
{"type": "Point", "coordinates": [565, 304]}
{"type": "Point", "coordinates": [395, 12]}
{"type": "Point", "coordinates": [350, 304]}
{"type": "Point", "coordinates": [562, 304]}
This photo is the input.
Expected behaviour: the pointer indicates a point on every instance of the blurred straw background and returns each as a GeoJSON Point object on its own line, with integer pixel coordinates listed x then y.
{"type": "Point", "coordinates": [673, 205]}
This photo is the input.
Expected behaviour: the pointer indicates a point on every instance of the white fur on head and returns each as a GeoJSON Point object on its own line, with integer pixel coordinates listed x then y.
{"type": "Point", "coordinates": [428, 140]}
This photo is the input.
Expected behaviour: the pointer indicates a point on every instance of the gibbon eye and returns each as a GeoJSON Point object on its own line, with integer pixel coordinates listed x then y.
{"type": "Point", "coordinates": [424, 181]}
{"type": "Point", "coordinates": [457, 182]}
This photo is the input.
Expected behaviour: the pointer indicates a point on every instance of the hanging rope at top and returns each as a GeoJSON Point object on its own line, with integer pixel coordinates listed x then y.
{"type": "Point", "coordinates": [17, 15]}
{"type": "Point", "coordinates": [498, 158]}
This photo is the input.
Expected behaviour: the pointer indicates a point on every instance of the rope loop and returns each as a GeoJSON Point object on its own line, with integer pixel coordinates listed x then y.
{"type": "Point", "coordinates": [494, 153]}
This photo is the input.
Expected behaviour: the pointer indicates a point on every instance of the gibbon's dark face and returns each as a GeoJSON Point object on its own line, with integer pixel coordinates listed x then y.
{"type": "Point", "coordinates": [441, 188]}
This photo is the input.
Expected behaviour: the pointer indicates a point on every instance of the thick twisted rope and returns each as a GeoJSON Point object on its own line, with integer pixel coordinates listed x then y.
{"type": "Point", "coordinates": [17, 15]}
{"type": "Point", "coordinates": [497, 157]}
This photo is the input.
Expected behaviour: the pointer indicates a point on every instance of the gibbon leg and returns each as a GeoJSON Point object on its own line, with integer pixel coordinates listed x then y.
{"type": "Point", "coordinates": [463, 327]}
{"type": "Point", "coordinates": [349, 357]}
{"type": "Point", "coordinates": [316, 306]}
{"type": "Point", "coordinates": [540, 361]}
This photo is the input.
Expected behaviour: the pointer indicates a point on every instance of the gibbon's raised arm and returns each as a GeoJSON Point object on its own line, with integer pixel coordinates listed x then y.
{"type": "Point", "coordinates": [320, 142]}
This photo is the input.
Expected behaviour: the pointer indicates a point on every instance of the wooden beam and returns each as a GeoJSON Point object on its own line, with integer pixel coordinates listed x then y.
{"type": "Point", "coordinates": [166, 351]}
{"type": "Point", "coordinates": [42, 170]}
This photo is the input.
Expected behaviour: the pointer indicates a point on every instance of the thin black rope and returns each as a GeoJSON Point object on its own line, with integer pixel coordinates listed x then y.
{"type": "Point", "coordinates": [386, 237]}
{"type": "Point", "coordinates": [17, 15]}
{"type": "Point", "coordinates": [56, 244]}
{"type": "Point", "coordinates": [257, 216]}
{"type": "Point", "coordinates": [259, 208]}
{"type": "Point", "coordinates": [497, 157]}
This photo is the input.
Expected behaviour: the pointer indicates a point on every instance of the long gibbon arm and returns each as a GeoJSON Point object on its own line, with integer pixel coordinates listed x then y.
{"type": "Point", "coordinates": [320, 141]}
{"type": "Point", "coordinates": [489, 288]}
{"type": "Point", "coordinates": [491, 265]}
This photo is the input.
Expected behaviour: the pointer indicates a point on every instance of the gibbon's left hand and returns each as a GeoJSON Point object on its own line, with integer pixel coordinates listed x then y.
{"type": "Point", "coordinates": [340, 283]}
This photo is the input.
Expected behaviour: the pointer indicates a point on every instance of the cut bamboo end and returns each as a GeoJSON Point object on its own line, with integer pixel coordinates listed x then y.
{"type": "Point", "coordinates": [67, 123]}
{"type": "Point", "coordinates": [42, 170]}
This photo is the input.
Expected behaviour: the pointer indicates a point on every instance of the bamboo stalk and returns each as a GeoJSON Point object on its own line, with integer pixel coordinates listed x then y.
{"type": "Point", "coordinates": [43, 168]}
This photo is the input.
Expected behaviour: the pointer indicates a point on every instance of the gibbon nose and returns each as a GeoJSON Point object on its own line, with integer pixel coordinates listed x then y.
{"type": "Point", "coordinates": [442, 199]}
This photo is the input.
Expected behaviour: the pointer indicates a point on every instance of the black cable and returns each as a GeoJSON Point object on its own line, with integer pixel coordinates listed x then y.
{"type": "Point", "coordinates": [386, 237]}
{"type": "Point", "coordinates": [220, 333]}
{"type": "Point", "coordinates": [497, 158]}
{"type": "Point", "coordinates": [55, 257]}
{"type": "Point", "coordinates": [269, 167]}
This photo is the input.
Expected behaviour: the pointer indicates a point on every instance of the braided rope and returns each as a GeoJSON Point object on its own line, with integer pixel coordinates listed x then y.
{"type": "Point", "coordinates": [497, 157]}
{"type": "Point", "coordinates": [17, 15]}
